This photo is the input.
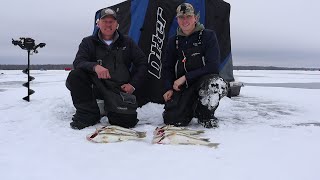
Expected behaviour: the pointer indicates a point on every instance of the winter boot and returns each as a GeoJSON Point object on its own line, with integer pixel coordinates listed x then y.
{"type": "Point", "coordinates": [87, 114]}
{"type": "Point", "coordinates": [123, 120]}
{"type": "Point", "coordinates": [209, 123]}
{"type": "Point", "coordinates": [205, 116]}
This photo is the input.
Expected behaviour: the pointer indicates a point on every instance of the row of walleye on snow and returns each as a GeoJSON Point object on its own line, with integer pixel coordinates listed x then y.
{"type": "Point", "coordinates": [161, 135]}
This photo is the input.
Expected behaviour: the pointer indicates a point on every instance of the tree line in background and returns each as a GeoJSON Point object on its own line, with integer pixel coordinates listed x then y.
{"type": "Point", "coordinates": [272, 68]}
{"type": "Point", "coordinates": [69, 67]}
{"type": "Point", "coordinates": [36, 67]}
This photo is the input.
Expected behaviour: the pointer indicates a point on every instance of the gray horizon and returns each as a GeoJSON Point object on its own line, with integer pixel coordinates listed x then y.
{"type": "Point", "coordinates": [261, 33]}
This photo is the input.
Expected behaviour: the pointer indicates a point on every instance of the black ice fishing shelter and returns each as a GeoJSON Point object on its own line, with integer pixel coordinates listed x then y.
{"type": "Point", "coordinates": [151, 22]}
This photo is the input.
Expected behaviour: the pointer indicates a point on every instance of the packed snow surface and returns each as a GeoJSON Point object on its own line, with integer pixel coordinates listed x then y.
{"type": "Point", "coordinates": [268, 132]}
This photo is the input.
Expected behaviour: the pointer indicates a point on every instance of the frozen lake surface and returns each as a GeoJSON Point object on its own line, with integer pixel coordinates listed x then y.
{"type": "Point", "coordinates": [270, 131]}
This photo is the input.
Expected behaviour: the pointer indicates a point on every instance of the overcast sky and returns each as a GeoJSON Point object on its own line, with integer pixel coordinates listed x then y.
{"type": "Point", "coordinates": [263, 32]}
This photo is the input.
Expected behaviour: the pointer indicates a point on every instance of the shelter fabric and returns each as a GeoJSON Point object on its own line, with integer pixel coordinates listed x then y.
{"type": "Point", "coordinates": [151, 22]}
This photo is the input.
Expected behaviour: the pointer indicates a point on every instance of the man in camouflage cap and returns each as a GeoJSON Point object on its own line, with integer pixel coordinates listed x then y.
{"type": "Point", "coordinates": [187, 18]}
{"type": "Point", "coordinates": [190, 72]}
{"type": "Point", "coordinates": [185, 9]}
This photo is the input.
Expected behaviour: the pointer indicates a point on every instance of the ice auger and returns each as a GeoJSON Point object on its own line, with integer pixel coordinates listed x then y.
{"type": "Point", "coordinates": [29, 45]}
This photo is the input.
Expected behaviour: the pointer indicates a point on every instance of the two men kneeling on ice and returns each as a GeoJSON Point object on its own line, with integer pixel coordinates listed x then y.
{"type": "Point", "coordinates": [102, 70]}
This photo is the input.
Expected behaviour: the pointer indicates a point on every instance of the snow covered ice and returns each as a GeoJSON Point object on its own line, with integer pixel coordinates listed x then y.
{"type": "Point", "coordinates": [267, 132]}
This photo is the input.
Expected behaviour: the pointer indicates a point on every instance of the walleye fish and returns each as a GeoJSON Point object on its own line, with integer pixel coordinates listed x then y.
{"type": "Point", "coordinates": [110, 138]}
{"type": "Point", "coordinates": [110, 134]}
{"type": "Point", "coordinates": [170, 128]}
{"type": "Point", "coordinates": [121, 131]}
{"type": "Point", "coordinates": [182, 139]}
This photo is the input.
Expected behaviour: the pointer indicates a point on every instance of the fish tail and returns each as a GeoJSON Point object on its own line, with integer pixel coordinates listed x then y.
{"type": "Point", "coordinates": [213, 145]}
{"type": "Point", "coordinates": [205, 139]}
{"type": "Point", "coordinates": [141, 134]}
{"type": "Point", "coordinates": [200, 131]}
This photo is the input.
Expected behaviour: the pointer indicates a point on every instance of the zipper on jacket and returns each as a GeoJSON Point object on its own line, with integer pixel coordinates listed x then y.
{"type": "Point", "coordinates": [176, 68]}
{"type": "Point", "coordinates": [203, 61]}
{"type": "Point", "coordinates": [184, 60]}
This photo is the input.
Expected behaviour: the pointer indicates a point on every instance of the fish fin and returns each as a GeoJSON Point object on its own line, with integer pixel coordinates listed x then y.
{"type": "Point", "coordinates": [195, 133]}
{"type": "Point", "coordinates": [184, 143]}
{"type": "Point", "coordinates": [205, 139]}
{"type": "Point", "coordinates": [162, 127]}
{"type": "Point", "coordinates": [93, 135]}
{"type": "Point", "coordinates": [89, 137]}
{"type": "Point", "coordinates": [141, 134]}
{"type": "Point", "coordinates": [159, 141]}
{"type": "Point", "coordinates": [155, 132]}
{"type": "Point", "coordinates": [189, 133]}
{"type": "Point", "coordinates": [200, 131]}
{"type": "Point", "coordinates": [120, 128]}
{"type": "Point", "coordinates": [213, 145]}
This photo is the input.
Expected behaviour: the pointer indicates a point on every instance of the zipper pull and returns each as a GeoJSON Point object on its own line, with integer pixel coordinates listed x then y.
{"type": "Point", "coordinates": [99, 62]}
{"type": "Point", "coordinates": [184, 58]}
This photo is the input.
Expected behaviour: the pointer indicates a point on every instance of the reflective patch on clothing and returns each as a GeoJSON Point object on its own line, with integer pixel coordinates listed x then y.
{"type": "Point", "coordinates": [194, 54]}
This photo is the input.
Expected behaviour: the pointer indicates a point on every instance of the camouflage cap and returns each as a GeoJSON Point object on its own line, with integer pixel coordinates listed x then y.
{"type": "Point", "coordinates": [185, 9]}
{"type": "Point", "coordinates": [108, 12]}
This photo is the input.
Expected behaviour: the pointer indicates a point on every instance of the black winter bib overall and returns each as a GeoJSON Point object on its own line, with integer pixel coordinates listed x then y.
{"type": "Point", "coordinates": [120, 106]}
{"type": "Point", "coordinates": [185, 104]}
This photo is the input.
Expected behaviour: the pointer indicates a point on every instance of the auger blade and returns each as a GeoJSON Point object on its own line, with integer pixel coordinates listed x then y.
{"type": "Point", "coordinates": [27, 98]}
{"type": "Point", "coordinates": [25, 71]}
{"type": "Point", "coordinates": [25, 84]}
{"type": "Point", "coordinates": [31, 92]}
{"type": "Point", "coordinates": [31, 78]}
